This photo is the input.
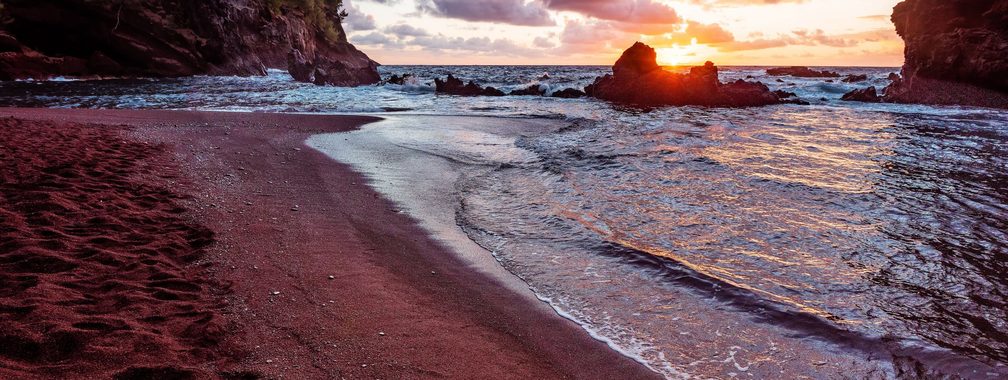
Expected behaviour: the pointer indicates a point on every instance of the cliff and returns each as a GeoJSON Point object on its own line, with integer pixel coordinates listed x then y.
{"type": "Point", "coordinates": [956, 52]}
{"type": "Point", "coordinates": [172, 38]}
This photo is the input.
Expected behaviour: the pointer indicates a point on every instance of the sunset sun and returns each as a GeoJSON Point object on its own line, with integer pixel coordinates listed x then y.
{"type": "Point", "coordinates": [680, 55]}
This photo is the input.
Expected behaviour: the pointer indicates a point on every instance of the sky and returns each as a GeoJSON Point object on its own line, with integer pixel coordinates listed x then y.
{"type": "Point", "coordinates": [595, 32]}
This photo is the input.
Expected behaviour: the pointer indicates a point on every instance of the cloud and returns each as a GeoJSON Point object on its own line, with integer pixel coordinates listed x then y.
{"type": "Point", "coordinates": [356, 19]}
{"type": "Point", "coordinates": [515, 12]}
{"type": "Point", "coordinates": [632, 11]}
{"type": "Point", "coordinates": [406, 30]}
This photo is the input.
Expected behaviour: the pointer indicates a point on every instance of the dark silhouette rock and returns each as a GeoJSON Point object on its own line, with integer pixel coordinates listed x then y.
{"type": "Point", "coordinates": [789, 98]}
{"type": "Point", "coordinates": [956, 52]}
{"type": "Point", "coordinates": [170, 38]}
{"type": "Point", "coordinates": [569, 93]}
{"type": "Point", "coordinates": [854, 78]}
{"type": "Point", "coordinates": [299, 67]}
{"type": "Point", "coordinates": [533, 90]}
{"type": "Point", "coordinates": [545, 76]}
{"type": "Point", "coordinates": [638, 80]}
{"type": "Point", "coordinates": [801, 72]}
{"type": "Point", "coordinates": [399, 80]}
{"type": "Point", "coordinates": [869, 95]}
{"type": "Point", "coordinates": [455, 86]}
{"type": "Point", "coordinates": [894, 77]}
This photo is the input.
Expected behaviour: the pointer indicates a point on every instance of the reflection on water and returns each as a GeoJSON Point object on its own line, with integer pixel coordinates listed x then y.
{"type": "Point", "coordinates": [829, 221]}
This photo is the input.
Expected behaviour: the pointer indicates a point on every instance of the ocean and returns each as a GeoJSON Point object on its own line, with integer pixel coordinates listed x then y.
{"type": "Point", "coordinates": [703, 242]}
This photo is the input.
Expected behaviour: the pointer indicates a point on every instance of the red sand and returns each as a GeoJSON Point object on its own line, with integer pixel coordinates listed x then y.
{"type": "Point", "coordinates": [285, 218]}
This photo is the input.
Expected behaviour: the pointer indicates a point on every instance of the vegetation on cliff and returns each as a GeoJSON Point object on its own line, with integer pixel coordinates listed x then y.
{"type": "Point", "coordinates": [324, 14]}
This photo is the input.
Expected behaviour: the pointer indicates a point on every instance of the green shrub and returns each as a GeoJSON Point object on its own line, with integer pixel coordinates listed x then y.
{"type": "Point", "coordinates": [324, 14]}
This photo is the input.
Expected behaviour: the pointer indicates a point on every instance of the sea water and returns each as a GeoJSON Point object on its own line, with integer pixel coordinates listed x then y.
{"type": "Point", "coordinates": [838, 236]}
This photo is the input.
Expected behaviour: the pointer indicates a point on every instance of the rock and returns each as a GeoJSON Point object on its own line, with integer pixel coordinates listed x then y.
{"type": "Point", "coordinates": [956, 52]}
{"type": "Point", "coordinates": [455, 86]}
{"type": "Point", "coordinates": [569, 93]}
{"type": "Point", "coordinates": [854, 78]}
{"type": "Point", "coordinates": [168, 38]}
{"type": "Point", "coordinates": [894, 77]}
{"type": "Point", "coordinates": [802, 72]}
{"type": "Point", "coordinates": [399, 80]}
{"type": "Point", "coordinates": [868, 95]}
{"type": "Point", "coordinates": [299, 67]}
{"type": "Point", "coordinates": [533, 90]}
{"type": "Point", "coordinates": [638, 80]}
{"type": "Point", "coordinates": [545, 76]}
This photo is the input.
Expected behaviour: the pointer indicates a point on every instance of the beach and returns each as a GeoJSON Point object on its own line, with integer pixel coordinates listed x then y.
{"type": "Point", "coordinates": [235, 250]}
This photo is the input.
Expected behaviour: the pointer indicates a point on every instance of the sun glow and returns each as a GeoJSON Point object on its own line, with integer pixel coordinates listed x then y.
{"type": "Point", "coordinates": [680, 55]}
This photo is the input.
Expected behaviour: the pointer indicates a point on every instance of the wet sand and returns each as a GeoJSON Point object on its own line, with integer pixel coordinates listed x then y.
{"type": "Point", "coordinates": [308, 272]}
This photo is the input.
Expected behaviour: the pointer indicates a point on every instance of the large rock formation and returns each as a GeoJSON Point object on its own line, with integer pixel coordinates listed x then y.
{"type": "Point", "coordinates": [171, 38]}
{"type": "Point", "coordinates": [956, 52]}
{"type": "Point", "coordinates": [637, 79]}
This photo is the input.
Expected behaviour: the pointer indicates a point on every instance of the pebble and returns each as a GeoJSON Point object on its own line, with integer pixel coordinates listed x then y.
{"type": "Point", "coordinates": [381, 333]}
{"type": "Point", "coordinates": [332, 277]}
{"type": "Point", "coordinates": [269, 361]}
{"type": "Point", "coordinates": [275, 293]}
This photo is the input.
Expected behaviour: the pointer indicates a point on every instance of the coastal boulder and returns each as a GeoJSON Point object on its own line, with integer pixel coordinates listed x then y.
{"type": "Point", "coordinates": [398, 80]}
{"type": "Point", "coordinates": [868, 95]}
{"type": "Point", "coordinates": [299, 67]}
{"type": "Point", "coordinates": [455, 86]}
{"type": "Point", "coordinates": [638, 80]}
{"type": "Point", "coordinates": [956, 52]}
{"type": "Point", "coordinates": [801, 72]}
{"type": "Point", "coordinates": [533, 90]}
{"type": "Point", "coordinates": [854, 78]}
{"type": "Point", "coordinates": [569, 93]}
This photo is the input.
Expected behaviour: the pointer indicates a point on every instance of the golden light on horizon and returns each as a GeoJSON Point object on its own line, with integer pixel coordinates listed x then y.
{"type": "Point", "coordinates": [680, 55]}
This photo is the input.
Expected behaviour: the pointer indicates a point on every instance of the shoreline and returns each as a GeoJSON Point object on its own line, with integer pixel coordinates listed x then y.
{"type": "Point", "coordinates": [398, 302]}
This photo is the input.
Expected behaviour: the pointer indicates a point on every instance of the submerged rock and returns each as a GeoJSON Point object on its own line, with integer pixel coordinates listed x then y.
{"type": "Point", "coordinates": [801, 72]}
{"type": "Point", "coordinates": [956, 52]}
{"type": "Point", "coordinates": [868, 95]}
{"type": "Point", "coordinates": [637, 79]}
{"type": "Point", "coordinates": [854, 78]}
{"type": "Point", "coordinates": [399, 80]}
{"type": "Point", "coordinates": [455, 86]}
{"type": "Point", "coordinates": [569, 93]}
{"type": "Point", "coordinates": [533, 90]}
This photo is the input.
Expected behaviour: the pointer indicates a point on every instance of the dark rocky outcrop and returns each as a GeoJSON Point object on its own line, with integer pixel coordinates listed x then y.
{"type": "Point", "coordinates": [455, 86]}
{"type": "Point", "coordinates": [854, 78]}
{"type": "Point", "coordinates": [801, 72]}
{"type": "Point", "coordinates": [638, 80]}
{"type": "Point", "coordinates": [397, 79]}
{"type": "Point", "coordinates": [533, 90]}
{"type": "Point", "coordinates": [569, 93]}
{"type": "Point", "coordinates": [956, 52]}
{"type": "Point", "coordinates": [173, 38]}
{"type": "Point", "coordinates": [868, 95]}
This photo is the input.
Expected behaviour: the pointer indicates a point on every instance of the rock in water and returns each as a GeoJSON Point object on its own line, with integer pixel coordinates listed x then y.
{"type": "Point", "coordinates": [170, 38]}
{"type": "Point", "coordinates": [533, 90]}
{"type": "Point", "coordinates": [801, 72]}
{"type": "Point", "coordinates": [956, 52]}
{"type": "Point", "coordinates": [637, 79]}
{"type": "Point", "coordinates": [854, 78]}
{"type": "Point", "coordinates": [569, 93]}
{"type": "Point", "coordinates": [455, 86]}
{"type": "Point", "coordinates": [869, 95]}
